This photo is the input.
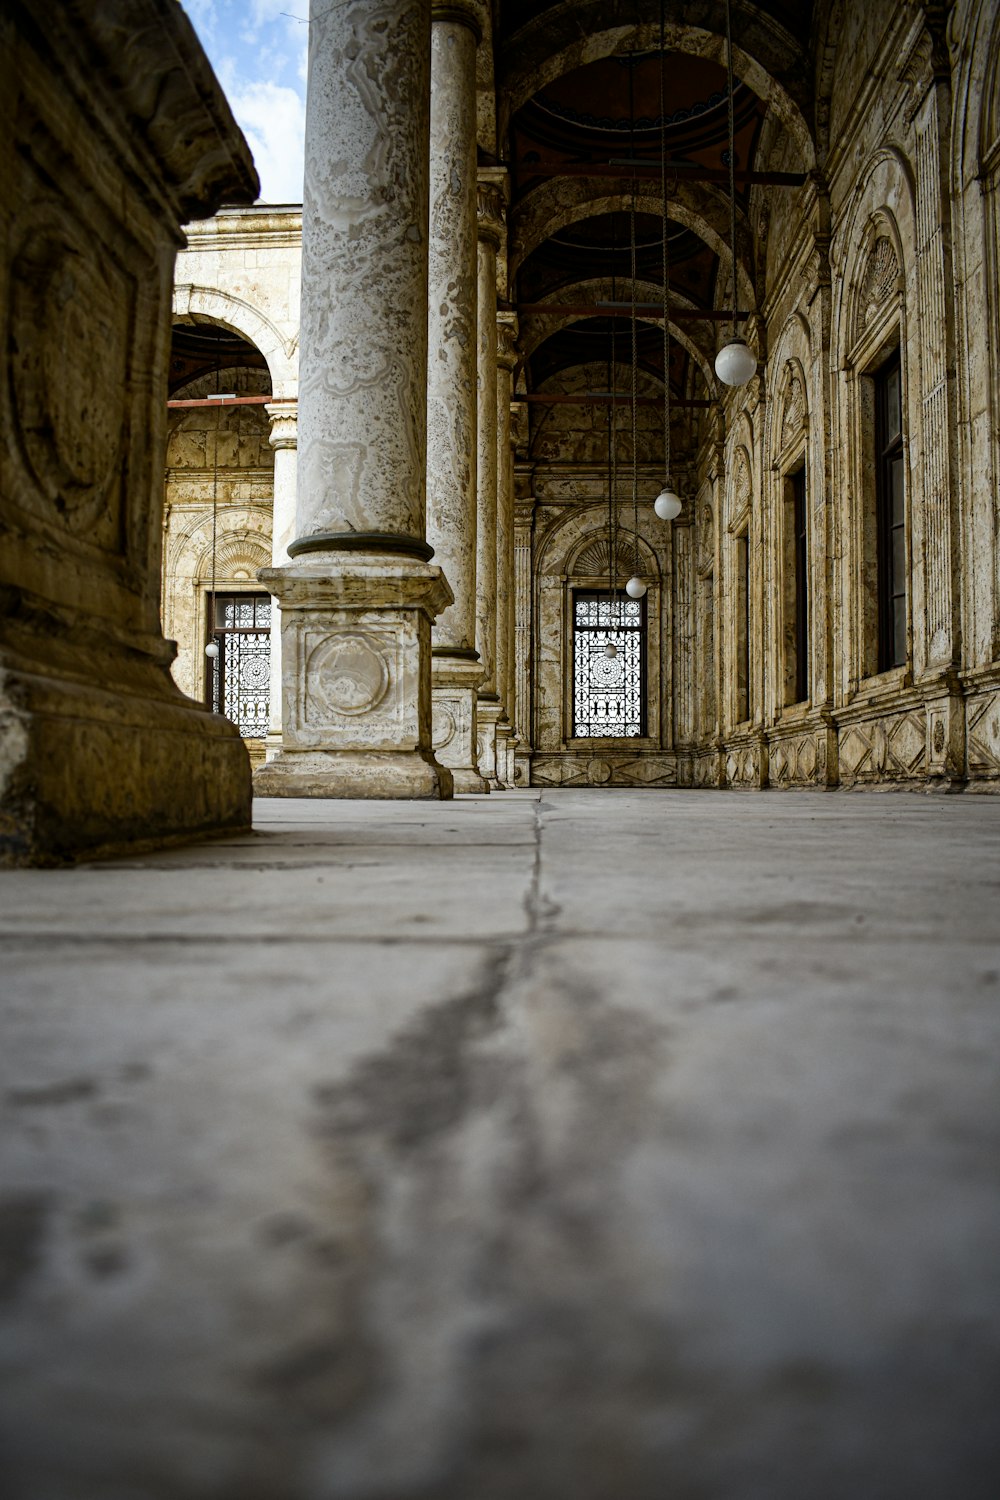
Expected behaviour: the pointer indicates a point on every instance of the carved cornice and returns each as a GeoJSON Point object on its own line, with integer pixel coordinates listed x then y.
{"type": "Point", "coordinates": [491, 212]}
{"type": "Point", "coordinates": [925, 59]}
{"type": "Point", "coordinates": [144, 58]}
{"type": "Point", "coordinates": [284, 424]}
{"type": "Point", "coordinates": [469, 15]}
{"type": "Point", "coordinates": [508, 354]}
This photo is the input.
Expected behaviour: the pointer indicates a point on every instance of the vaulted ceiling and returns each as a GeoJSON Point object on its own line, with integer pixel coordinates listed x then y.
{"type": "Point", "coordinates": [584, 91]}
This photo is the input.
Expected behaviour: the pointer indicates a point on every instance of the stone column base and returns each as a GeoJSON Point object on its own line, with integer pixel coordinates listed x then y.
{"type": "Point", "coordinates": [455, 679]}
{"type": "Point", "coordinates": [522, 766]}
{"type": "Point", "coordinates": [356, 689]}
{"type": "Point", "coordinates": [488, 712]}
{"type": "Point", "coordinates": [354, 773]}
{"type": "Point", "coordinates": [505, 754]}
{"type": "Point", "coordinates": [946, 736]}
{"type": "Point", "coordinates": [120, 761]}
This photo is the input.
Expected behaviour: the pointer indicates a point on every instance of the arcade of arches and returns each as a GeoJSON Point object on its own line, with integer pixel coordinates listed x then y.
{"type": "Point", "coordinates": [865, 652]}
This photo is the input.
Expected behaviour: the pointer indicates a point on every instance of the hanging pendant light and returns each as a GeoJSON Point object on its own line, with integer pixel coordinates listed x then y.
{"type": "Point", "coordinates": [667, 504]}
{"type": "Point", "coordinates": [735, 362]}
{"type": "Point", "coordinates": [610, 649]}
{"type": "Point", "coordinates": [635, 588]}
{"type": "Point", "coordinates": [212, 649]}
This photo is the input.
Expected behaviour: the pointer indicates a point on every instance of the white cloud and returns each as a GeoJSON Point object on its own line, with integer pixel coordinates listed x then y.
{"type": "Point", "coordinates": [258, 49]}
{"type": "Point", "coordinates": [273, 120]}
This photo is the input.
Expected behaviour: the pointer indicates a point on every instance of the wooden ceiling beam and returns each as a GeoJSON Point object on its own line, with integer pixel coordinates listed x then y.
{"type": "Point", "coordinates": [676, 171]}
{"type": "Point", "coordinates": [624, 310]}
{"type": "Point", "coordinates": [604, 398]}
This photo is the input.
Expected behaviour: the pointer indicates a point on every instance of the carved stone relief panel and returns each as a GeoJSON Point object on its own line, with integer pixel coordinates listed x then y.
{"type": "Point", "coordinates": [878, 282]}
{"type": "Point", "coordinates": [349, 681]}
{"type": "Point", "coordinates": [793, 407]}
{"type": "Point", "coordinates": [983, 730]}
{"type": "Point", "coordinates": [606, 769]}
{"type": "Point", "coordinates": [794, 761]}
{"type": "Point", "coordinates": [72, 313]}
{"type": "Point", "coordinates": [889, 749]}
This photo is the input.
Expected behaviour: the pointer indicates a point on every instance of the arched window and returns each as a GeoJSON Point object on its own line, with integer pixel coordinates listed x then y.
{"type": "Point", "coordinates": [238, 679]}
{"type": "Point", "coordinates": [609, 692]}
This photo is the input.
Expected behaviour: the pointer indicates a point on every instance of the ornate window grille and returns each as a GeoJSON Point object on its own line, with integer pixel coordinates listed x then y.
{"type": "Point", "coordinates": [609, 692]}
{"type": "Point", "coordinates": [239, 677]}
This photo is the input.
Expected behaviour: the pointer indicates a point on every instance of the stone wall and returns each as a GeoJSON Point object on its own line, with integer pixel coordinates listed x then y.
{"type": "Point", "coordinates": [891, 241]}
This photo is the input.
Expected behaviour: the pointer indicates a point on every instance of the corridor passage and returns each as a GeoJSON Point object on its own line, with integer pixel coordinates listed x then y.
{"type": "Point", "coordinates": [541, 1146]}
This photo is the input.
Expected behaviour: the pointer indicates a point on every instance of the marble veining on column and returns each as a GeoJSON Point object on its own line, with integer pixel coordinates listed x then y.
{"type": "Point", "coordinates": [364, 270]}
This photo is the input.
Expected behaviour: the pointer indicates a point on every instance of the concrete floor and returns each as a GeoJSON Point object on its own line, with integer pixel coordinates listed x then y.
{"type": "Point", "coordinates": [585, 1146]}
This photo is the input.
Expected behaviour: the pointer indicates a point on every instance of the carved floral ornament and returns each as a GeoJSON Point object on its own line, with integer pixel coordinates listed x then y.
{"type": "Point", "coordinates": [741, 482]}
{"type": "Point", "coordinates": [592, 560]}
{"type": "Point", "coordinates": [879, 281]}
{"type": "Point", "coordinates": [490, 212]}
{"type": "Point", "coordinates": [793, 406]}
{"type": "Point", "coordinates": [507, 350]}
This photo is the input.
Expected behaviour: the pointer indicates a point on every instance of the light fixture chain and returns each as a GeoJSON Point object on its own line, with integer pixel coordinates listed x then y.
{"type": "Point", "coordinates": [612, 428]}
{"type": "Point", "coordinates": [732, 147]}
{"type": "Point", "coordinates": [666, 248]}
{"type": "Point", "coordinates": [635, 395]}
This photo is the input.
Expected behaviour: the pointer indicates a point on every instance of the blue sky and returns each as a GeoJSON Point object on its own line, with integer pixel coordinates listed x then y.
{"type": "Point", "coordinates": [258, 50]}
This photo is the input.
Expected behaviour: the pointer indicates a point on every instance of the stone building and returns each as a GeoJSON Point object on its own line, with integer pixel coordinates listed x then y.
{"type": "Point", "coordinates": [558, 1143]}
{"type": "Point", "coordinates": [824, 610]}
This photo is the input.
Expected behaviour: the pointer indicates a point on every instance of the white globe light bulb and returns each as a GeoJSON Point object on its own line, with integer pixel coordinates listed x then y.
{"type": "Point", "coordinates": [611, 649]}
{"type": "Point", "coordinates": [212, 650]}
{"type": "Point", "coordinates": [667, 504]}
{"type": "Point", "coordinates": [635, 588]}
{"type": "Point", "coordinates": [735, 362]}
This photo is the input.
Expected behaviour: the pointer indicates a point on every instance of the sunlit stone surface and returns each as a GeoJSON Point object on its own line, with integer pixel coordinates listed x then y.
{"type": "Point", "coordinates": [615, 1144]}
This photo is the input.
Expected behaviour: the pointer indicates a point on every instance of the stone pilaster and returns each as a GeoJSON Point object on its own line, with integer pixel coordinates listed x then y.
{"type": "Point", "coordinates": [451, 385]}
{"type": "Point", "coordinates": [99, 750]}
{"type": "Point", "coordinates": [524, 521]}
{"type": "Point", "coordinates": [926, 74]}
{"type": "Point", "coordinates": [489, 217]}
{"type": "Point", "coordinates": [507, 357]}
{"type": "Point", "coordinates": [284, 416]}
{"type": "Point", "coordinates": [358, 596]}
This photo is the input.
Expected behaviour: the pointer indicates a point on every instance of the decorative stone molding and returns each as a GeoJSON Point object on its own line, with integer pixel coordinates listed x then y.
{"type": "Point", "coordinates": [237, 556]}
{"type": "Point", "coordinates": [924, 58]}
{"type": "Point", "coordinates": [742, 488]}
{"type": "Point", "coordinates": [490, 212]}
{"type": "Point", "coordinates": [284, 420]}
{"type": "Point", "coordinates": [793, 406]}
{"type": "Point", "coordinates": [470, 13]}
{"type": "Point", "coordinates": [878, 282]}
{"type": "Point", "coordinates": [173, 113]}
{"type": "Point", "coordinates": [508, 354]}
{"type": "Point", "coordinates": [593, 559]}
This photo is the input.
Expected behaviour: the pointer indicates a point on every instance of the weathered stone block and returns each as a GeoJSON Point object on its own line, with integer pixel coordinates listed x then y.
{"type": "Point", "coordinates": [101, 749]}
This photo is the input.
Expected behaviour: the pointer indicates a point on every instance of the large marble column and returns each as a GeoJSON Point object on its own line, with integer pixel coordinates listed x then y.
{"type": "Point", "coordinates": [358, 597]}
{"type": "Point", "coordinates": [489, 215]}
{"type": "Point", "coordinates": [451, 385]}
{"type": "Point", "coordinates": [507, 357]}
{"type": "Point", "coordinates": [284, 417]}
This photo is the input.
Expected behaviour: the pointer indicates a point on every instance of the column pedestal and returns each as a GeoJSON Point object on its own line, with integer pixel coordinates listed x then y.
{"type": "Point", "coordinates": [356, 692]}
{"type": "Point", "coordinates": [505, 755]}
{"type": "Point", "coordinates": [490, 711]}
{"type": "Point", "coordinates": [455, 680]}
{"type": "Point", "coordinates": [284, 421]}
